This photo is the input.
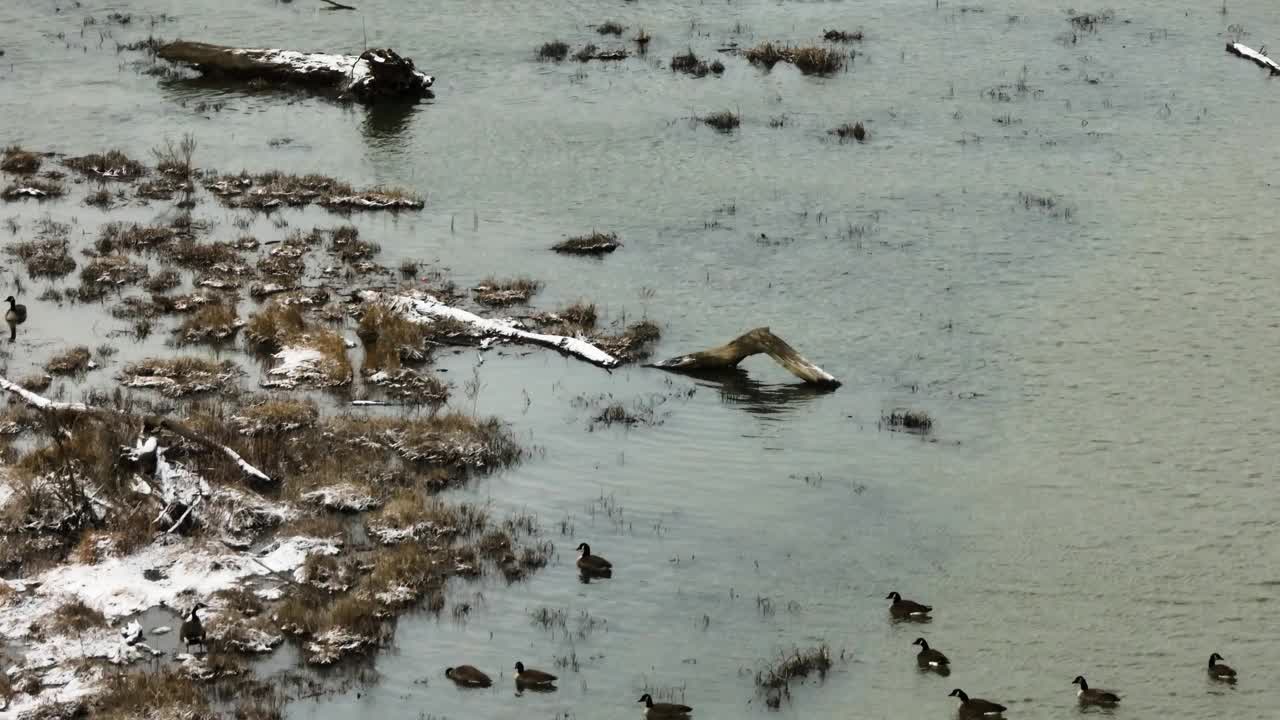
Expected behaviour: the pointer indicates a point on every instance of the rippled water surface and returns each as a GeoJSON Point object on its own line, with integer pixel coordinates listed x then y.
{"type": "Point", "coordinates": [1097, 496]}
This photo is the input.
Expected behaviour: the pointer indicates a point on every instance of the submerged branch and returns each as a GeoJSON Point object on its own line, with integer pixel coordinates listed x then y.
{"type": "Point", "coordinates": [751, 343]}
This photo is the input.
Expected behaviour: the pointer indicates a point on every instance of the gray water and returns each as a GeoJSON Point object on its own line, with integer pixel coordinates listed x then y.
{"type": "Point", "coordinates": [1094, 497]}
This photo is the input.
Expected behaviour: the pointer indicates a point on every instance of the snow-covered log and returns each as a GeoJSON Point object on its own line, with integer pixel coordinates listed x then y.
{"type": "Point", "coordinates": [751, 343]}
{"type": "Point", "coordinates": [40, 402]}
{"type": "Point", "coordinates": [426, 309]}
{"type": "Point", "coordinates": [372, 75]}
{"type": "Point", "coordinates": [1249, 53]}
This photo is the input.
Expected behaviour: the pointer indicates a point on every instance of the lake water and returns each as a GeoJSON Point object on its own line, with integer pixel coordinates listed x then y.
{"type": "Point", "coordinates": [1095, 497]}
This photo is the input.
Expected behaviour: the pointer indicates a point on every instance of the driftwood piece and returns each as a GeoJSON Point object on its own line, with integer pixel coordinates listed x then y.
{"type": "Point", "coordinates": [1249, 53]}
{"type": "Point", "coordinates": [154, 421]}
{"type": "Point", "coordinates": [426, 309]}
{"type": "Point", "coordinates": [336, 5]}
{"type": "Point", "coordinates": [372, 75]}
{"type": "Point", "coordinates": [751, 343]}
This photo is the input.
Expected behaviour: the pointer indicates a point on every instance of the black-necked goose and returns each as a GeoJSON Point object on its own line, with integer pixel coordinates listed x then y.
{"type": "Point", "coordinates": [907, 608]}
{"type": "Point", "coordinates": [467, 676]}
{"type": "Point", "coordinates": [593, 564]}
{"type": "Point", "coordinates": [930, 658]}
{"type": "Point", "coordinates": [663, 710]}
{"type": "Point", "coordinates": [534, 679]}
{"type": "Point", "coordinates": [976, 707]}
{"type": "Point", "coordinates": [15, 316]}
{"type": "Point", "coordinates": [1094, 696]}
{"type": "Point", "coordinates": [192, 631]}
{"type": "Point", "coordinates": [1219, 671]}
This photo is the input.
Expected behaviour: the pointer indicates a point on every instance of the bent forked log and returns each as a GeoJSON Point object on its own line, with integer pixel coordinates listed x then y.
{"type": "Point", "coordinates": [372, 75]}
{"type": "Point", "coordinates": [425, 309]}
{"type": "Point", "coordinates": [751, 343]}
{"type": "Point", "coordinates": [1249, 53]}
{"type": "Point", "coordinates": [42, 403]}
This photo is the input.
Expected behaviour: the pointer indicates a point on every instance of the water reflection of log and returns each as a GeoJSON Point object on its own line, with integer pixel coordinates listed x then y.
{"type": "Point", "coordinates": [736, 387]}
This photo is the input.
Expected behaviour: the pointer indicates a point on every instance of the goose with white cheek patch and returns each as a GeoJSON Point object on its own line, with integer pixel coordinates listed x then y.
{"type": "Point", "coordinates": [930, 658]}
{"type": "Point", "coordinates": [907, 608]}
{"type": "Point", "coordinates": [1093, 696]}
{"type": "Point", "coordinates": [663, 710]}
{"type": "Point", "coordinates": [1220, 671]}
{"type": "Point", "coordinates": [976, 707]}
{"type": "Point", "coordinates": [593, 565]}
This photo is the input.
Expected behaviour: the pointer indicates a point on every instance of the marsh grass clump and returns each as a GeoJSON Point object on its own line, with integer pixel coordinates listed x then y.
{"type": "Point", "coordinates": [913, 420]}
{"type": "Point", "coordinates": [18, 161]}
{"type": "Point", "coordinates": [775, 679]}
{"type": "Point", "coordinates": [100, 198]}
{"type": "Point", "coordinates": [163, 281]}
{"type": "Point", "coordinates": [618, 414]}
{"type": "Point", "coordinates": [48, 257]}
{"type": "Point", "coordinates": [501, 293]}
{"type": "Point", "coordinates": [1089, 22]}
{"type": "Point", "coordinates": [38, 188]}
{"type": "Point", "coordinates": [594, 243]}
{"type": "Point", "coordinates": [74, 616]}
{"type": "Point", "coordinates": [610, 27]}
{"type": "Point", "coordinates": [73, 361]}
{"type": "Point", "coordinates": [1051, 206]}
{"type": "Point", "coordinates": [165, 693]}
{"type": "Point", "coordinates": [809, 59]}
{"type": "Point", "coordinates": [348, 246]}
{"type": "Point", "coordinates": [271, 327]}
{"type": "Point", "coordinates": [725, 121]}
{"type": "Point", "coordinates": [642, 40]}
{"type": "Point", "coordinates": [555, 50]}
{"type": "Point", "coordinates": [181, 376]}
{"type": "Point", "coordinates": [689, 63]}
{"type": "Point", "coordinates": [850, 131]}
{"type": "Point", "coordinates": [215, 322]}
{"type": "Point", "coordinates": [586, 53]}
{"type": "Point", "coordinates": [841, 36]}
{"type": "Point", "coordinates": [175, 158]}
{"type": "Point", "coordinates": [276, 416]}
{"type": "Point", "coordinates": [450, 441]}
{"type": "Point", "coordinates": [112, 164]}
{"type": "Point", "coordinates": [107, 273]}
{"type": "Point", "coordinates": [390, 338]}
{"type": "Point", "coordinates": [119, 237]}
{"type": "Point", "coordinates": [193, 255]}
{"type": "Point", "coordinates": [634, 343]}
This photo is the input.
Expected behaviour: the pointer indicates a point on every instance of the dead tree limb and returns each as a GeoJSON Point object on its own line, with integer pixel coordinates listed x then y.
{"type": "Point", "coordinates": [44, 404]}
{"type": "Point", "coordinates": [751, 343]}
{"type": "Point", "coordinates": [336, 6]}
{"type": "Point", "coordinates": [1249, 53]}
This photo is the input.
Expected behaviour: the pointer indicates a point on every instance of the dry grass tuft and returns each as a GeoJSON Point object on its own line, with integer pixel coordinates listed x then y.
{"type": "Point", "coordinates": [37, 188]}
{"type": "Point", "coordinates": [850, 131]}
{"type": "Point", "coordinates": [775, 679]}
{"type": "Point", "coordinates": [810, 60]}
{"type": "Point", "coordinates": [72, 361]}
{"type": "Point", "coordinates": [19, 162]}
{"type": "Point", "coordinates": [74, 616]}
{"type": "Point", "coordinates": [501, 293]}
{"type": "Point", "coordinates": [273, 326]}
{"type": "Point", "coordinates": [632, 344]}
{"type": "Point", "coordinates": [49, 257]}
{"type": "Point", "coordinates": [689, 63]}
{"type": "Point", "coordinates": [194, 255]}
{"type": "Point", "coordinates": [913, 420]}
{"type": "Point", "coordinates": [555, 50]}
{"type": "Point", "coordinates": [107, 273]}
{"type": "Point", "coordinates": [113, 164]}
{"type": "Point", "coordinates": [215, 322]}
{"type": "Point", "coordinates": [389, 338]}
{"type": "Point", "coordinates": [594, 243]}
{"type": "Point", "coordinates": [610, 28]}
{"type": "Point", "coordinates": [181, 376]}
{"type": "Point", "coordinates": [276, 416]}
{"type": "Point", "coordinates": [118, 236]}
{"type": "Point", "coordinates": [166, 693]}
{"type": "Point", "coordinates": [841, 36]}
{"type": "Point", "coordinates": [175, 158]}
{"type": "Point", "coordinates": [724, 121]}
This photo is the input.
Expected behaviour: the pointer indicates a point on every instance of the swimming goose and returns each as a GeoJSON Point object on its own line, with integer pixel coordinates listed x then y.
{"type": "Point", "coordinates": [974, 707]}
{"type": "Point", "coordinates": [467, 676]}
{"type": "Point", "coordinates": [593, 564]}
{"type": "Point", "coordinates": [1218, 671]}
{"type": "Point", "coordinates": [663, 710]}
{"type": "Point", "coordinates": [930, 658]}
{"type": "Point", "coordinates": [535, 679]}
{"type": "Point", "coordinates": [906, 608]}
{"type": "Point", "coordinates": [1094, 696]}
{"type": "Point", "coordinates": [192, 631]}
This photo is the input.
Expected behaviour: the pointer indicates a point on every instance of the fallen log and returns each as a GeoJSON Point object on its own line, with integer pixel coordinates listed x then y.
{"type": "Point", "coordinates": [1249, 53]}
{"type": "Point", "coordinates": [373, 75]}
{"type": "Point", "coordinates": [425, 309]}
{"type": "Point", "coordinates": [42, 403]}
{"type": "Point", "coordinates": [754, 342]}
